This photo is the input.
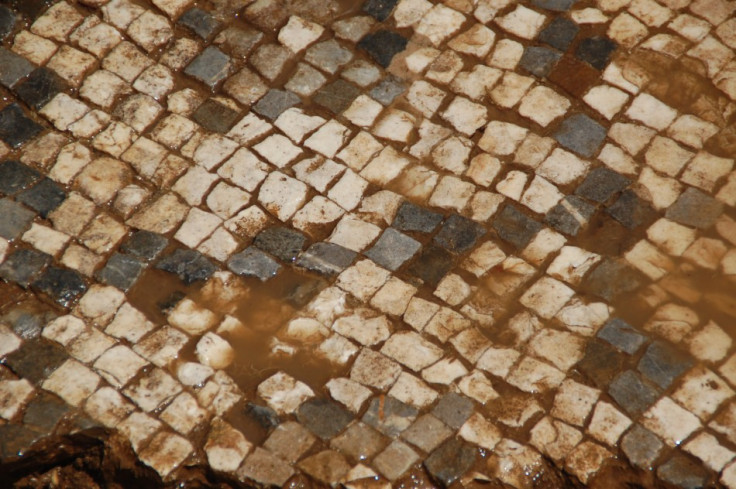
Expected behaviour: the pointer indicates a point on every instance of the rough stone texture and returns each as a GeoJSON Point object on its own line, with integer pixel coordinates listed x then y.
{"type": "Point", "coordinates": [23, 266]}
{"type": "Point", "coordinates": [663, 365]}
{"type": "Point", "coordinates": [601, 184]}
{"type": "Point", "coordinates": [431, 265]}
{"type": "Point", "coordinates": [121, 271]}
{"type": "Point", "coordinates": [215, 116]}
{"type": "Point", "coordinates": [389, 416]}
{"type": "Point", "coordinates": [458, 234]}
{"type": "Point", "coordinates": [62, 285]}
{"type": "Point", "coordinates": [450, 461]}
{"type": "Point", "coordinates": [632, 393]}
{"type": "Point", "coordinates": [323, 418]}
{"type": "Point", "coordinates": [281, 242]}
{"type": "Point", "coordinates": [570, 215]}
{"type": "Point", "coordinates": [14, 218]}
{"type": "Point", "coordinates": [630, 210]}
{"type": "Point", "coordinates": [145, 244]}
{"type": "Point", "coordinates": [189, 265]}
{"type": "Point", "coordinates": [596, 51]}
{"type": "Point", "coordinates": [15, 127]}
{"type": "Point", "coordinates": [539, 61]}
{"type": "Point", "coordinates": [44, 197]}
{"type": "Point", "coordinates": [694, 208]}
{"type": "Point", "coordinates": [326, 258]}
{"type": "Point", "coordinates": [622, 335]}
{"type": "Point", "coordinates": [581, 134]}
{"type": "Point", "coordinates": [210, 67]}
{"type": "Point", "coordinates": [383, 45]}
{"type": "Point", "coordinates": [337, 96]}
{"type": "Point", "coordinates": [275, 102]}
{"type": "Point", "coordinates": [560, 33]}
{"type": "Point", "coordinates": [683, 472]}
{"type": "Point", "coordinates": [200, 22]}
{"type": "Point", "coordinates": [392, 249]}
{"type": "Point", "coordinates": [15, 176]}
{"type": "Point", "coordinates": [411, 217]}
{"type": "Point", "coordinates": [40, 87]}
{"type": "Point", "coordinates": [641, 446]}
{"type": "Point", "coordinates": [612, 278]}
{"type": "Point", "coordinates": [253, 262]}
{"type": "Point", "coordinates": [516, 227]}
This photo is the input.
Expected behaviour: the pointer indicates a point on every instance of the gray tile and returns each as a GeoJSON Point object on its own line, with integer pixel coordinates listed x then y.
{"type": "Point", "coordinates": [601, 363]}
{"type": "Point", "coordinates": [200, 22]}
{"type": "Point", "coordinates": [612, 278]}
{"type": "Point", "coordinates": [432, 264]}
{"type": "Point", "coordinates": [7, 21]}
{"type": "Point", "coordinates": [40, 87]}
{"type": "Point", "coordinates": [15, 127]}
{"type": "Point", "coordinates": [359, 442]}
{"type": "Point", "coordinates": [215, 116]}
{"type": "Point", "coordinates": [392, 249]}
{"type": "Point", "coordinates": [539, 60]}
{"type": "Point", "coordinates": [631, 211]}
{"type": "Point", "coordinates": [556, 5]}
{"type": "Point", "coordinates": [379, 9]}
{"type": "Point", "coordinates": [337, 96]}
{"type": "Point", "coordinates": [514, 226]}
{"type": "Point", "coordinates": [43, 197]}
{"type": "Point", "coordinates": [324, 418]}
{"type": "Point", "coordinates": [145, 244]}
{"type": "Point", "coordinates": [427, 433]}
{"type": "Point", "coordinates": [121, 271]}
{"type": "Point", "coordinates": [632, 393]}
{"type": "Point", "coordinates": [326, 258]}
{"type": "Point", "coordinates": [596, 51]}
{"type": "Point", "coordinates": [581, 134]}
{"type": "Point", "coordinates": [684, 472]}
{"type": "Point", "coordinates": [253, 262]}
{"type": "Point", "coordinates": [388, 89]}
{"type": "Point", "coordinates": [328, 56]}
{"type": "Point", "coordinates": [210, 67]}
{"type": "Point", "coordinates": [16, 438]}
{"type": "Point", "coordinates": [281, 242]}
{"type": "Point", "coordinates": [411, 217]}
{"type": "Point", "coordinates": [560, 33]}
{"type": "Point", "coordinates": [601, 184]}
{"type": "Point", "coordinates": [45, 411]}
{"type": "Point", "coordinates": [570, 215]}
{"type": "Point", "coordinates": [459, 234]}
{"type": "Point", "coordinates": [36, 359]}
{"type": "Point", "coordinates": [663, 365]}
{"type": "Point", "coordinates": [14, 218]}
{"type": "Point", "coordinates": [64, 286]}
{"type": "Point", "coordinates": [239, 41]}
{"type": "Point", "coordinates": [389, 415]}
{"type": "Point", "coordinates": [189, 265]}
{"type": "Point", "coordinates": [383, 45]}
{"type": "Point", "coordinates": [451, 460]}
{"type": "Point", "coordinates": [695, 208]}
{"type": "Point", "coordinates": [641, 446]}
{"type": "Point", "coordinates": [622, 335]}
{"type": "Point", "coordinates": [453, 409]}
{"type": "Point", "coordinates": [15, 176]}
{"type": "Point", "coordinates": [23, 266]}
{"type": "Point", "coordinates": [12, 67]}
{"type": "Point", "coordinates": [275, 102]}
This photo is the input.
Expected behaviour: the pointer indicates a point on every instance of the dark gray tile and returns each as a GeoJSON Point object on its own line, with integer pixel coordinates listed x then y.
{"type": "Point", "coordinates": [389, 415]}
{"type": "Point", "coordinates": [427, 433]}
{"type": "Point", "coordinates": [383, 45]}
{"type": "Point", "coordinates": [695, 208]}
{"type": "Point", "coordinates": [15, 176]}
{"type": "Point", "coordinates": [684, 472]}
{"type": "Point", "coordinates": [15, 127]}
{"type": "Point", "coordinates": [432, 264]}
{"type": "Point", "coordinates": [215, 116]}
{"type": "Point", "coordinates": [210, 67]}
{"type": "Point", "coordinates": [263, 415]}
{"type": "Point", "coordinates": [43, 197]}
{"type": "Point", "coordinates": [189, 265]}
{"type": "Point", "coordinates": [612, 278]}
{"type": "Point", "coordinates": [570, 215]}
{"type": "Point", "coordinates": [459, 234]}
{"type": "Point", "coordinates": [453, 410]}
{"type": "Point", "coordinates": [145, 244]}
{"type": "Point", "coordinates": [200, 22]}
{"type": "Point", "coordinates": [392, 249]}
{"type": "Point", "coordinates": [40, 87]}
{"type": "Point", "coordinates": [622, 335]}
{"type": "Point", "coordinates": [601, 363]}
{"type": "Point", "coordinates": [13, 67]}
{"type": "Point", "coordinates": [23, 266]}
{"type": "Point", "coordinates": [556, 5]}
{"type": "Point", "coordinates": [559, 33]}
{"type": "Point", "coordinates": [581, 134]}
{"type": "Point", "coordinates": [326, 258]}
{"type": "Point", "coordinates": [451, 460]}
{"type": "Point", "coordinates": [16, 439]}
{"type": "Point", "coordinates": [632, 393]}
{"type": "Point", "coordinates": [7, 21]}
{"type": "Point", "coordinates": [379, 9]}
{"type": "Point", "coordinates": [253, 262]}
{"type": "Point", "coordinates": [387, 90]}
{"type": "Point", "coordinates": [28, 320]}
{"type": "Point", "coordinates": [641, 446]}
{"type": "Point", "coordinates": [337, 96]}
{"type": "Point", "coordinates": [601, 184]}
{"type": "Point", "coordinates": [631, 211]}
{"type": "Point", "coordinates": [514, 226]}
{"type": "Point", "coordinates": [121, 271]}
{"type": "Point", "coordinates": [324, 418]}
{"type": "Point", "coordinates": [45, 411]}
{"type": "Point", "coordinates": [539, 60]}
{"type": "Point", "coordinates": [596, 51]}
{"type": "Point", "coordinates": [663, 365]}
{"type": "Point", "coordinates": [36, 359]}
{"type": "Point", "coordinates": [275, 102]}
{"type": "Point", "coordinates": [281, 242]}
{"type": "Point", "coordinates": [30, 8]}
{"type": "Point", "coordinates": [411, 217]}
{"type": "Point", "coordinates": [14, 218]}
{"type": "Point", "coordinates": [64, 286]}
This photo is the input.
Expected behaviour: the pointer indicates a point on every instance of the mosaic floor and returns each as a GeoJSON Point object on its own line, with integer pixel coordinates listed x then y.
{"type": "Point", "coordinates": [396, 243]}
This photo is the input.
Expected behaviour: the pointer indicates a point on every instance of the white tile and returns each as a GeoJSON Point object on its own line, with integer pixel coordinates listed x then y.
{"type": "Point", "coordinates": [608, 424]}
{"type": "Point", "coordinates": [226, 447]}
{"type": "Point", "coordinates": [522, 22]}
{"type": "Point", "coordinates": [411, 350]}
{"type": "Point", "coordinates": [444, 372]}
{"type": "Point", "coordinates": [108, 407]}
{"type": "Point", "coordinates": [480, 431]}
{"type": "Point", "coordinates": [362, 279]}
{"type": "Point", "coordinates": [118, 365]}
{"type": "Point", "coordinates": [439, 23]}
{"type": "Point", "coordinates": [184, 414]}
{"type": "Point", "coordinates": [651, 111]}
{"type": "Point", "coordinates": [702, 392]}
{"type": "Point", "coordinates": [72, 381]}
{"type": "Point", "coordinates": [13, 395]}
{"type": "Point", "coordinates": [166, 452]}
{"type": "Point", "coordinates": [560, 348]}
{"type": "Point", "coordinates": [668, 420]}
{"type": "Point", "coordinates": [348, 392]}
{"type": "Point", "coordinates": [364, 327]}
{"type": "Point", "coordinates": [543, 105]}
{"type": "Point", "coordinates": [707, 448]}
{"type": "Point", "coordinates": [299, 33]}
{"type": "Point", "coordinates": [554, 438]}
{"type": "Point", "coordinates": [129, 323]}
{"type": "Point", "coordinates": [533, 376]}
{"type": "Point", "coordinates": [410, 390]}
{"type": "Point", "coordinates": [282, 195]}
{"type": "Point", "coordinates": [574, 402]}
{"type": "Point", "coordinates": [163, 346]}
{"type": "Point", "coordinates": [374, 370]}
{"type": "Point", "coordinates": [283, 393]}
{"type": "Point", "coordinates": [153, 389]}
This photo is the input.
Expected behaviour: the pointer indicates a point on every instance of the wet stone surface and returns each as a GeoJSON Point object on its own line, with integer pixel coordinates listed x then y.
{"type": "Point", "coordinates": [385, 243]}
